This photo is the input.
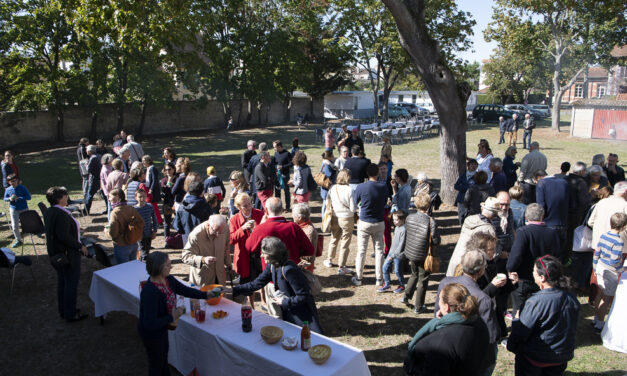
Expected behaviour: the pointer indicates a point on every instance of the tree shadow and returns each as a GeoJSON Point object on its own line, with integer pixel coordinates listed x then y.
{"type": "Point", "coordinates": [391, 354]}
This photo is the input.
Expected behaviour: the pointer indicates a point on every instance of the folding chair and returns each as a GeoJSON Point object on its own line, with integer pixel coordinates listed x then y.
{"type": "Point", "coordinates": [368, 135]}
{"type": "Point", "coordinates": [31, 224]}
{"type": "Point", "coordinates": [5, 263]}
{"type": "Point", "coordinates": [42, 209]}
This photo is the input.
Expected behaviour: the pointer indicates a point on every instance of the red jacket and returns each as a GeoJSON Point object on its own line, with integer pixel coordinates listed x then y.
{"type": "Point", "coordinates": [294, 238]}
{"type": "Point", "coordinates": [241, 257]}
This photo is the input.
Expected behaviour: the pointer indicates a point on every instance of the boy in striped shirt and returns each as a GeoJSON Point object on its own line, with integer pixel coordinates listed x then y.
{"type": "Point", "coordinates": [150, 223]}
{"type": "Point", "coordinates": [607, 264]}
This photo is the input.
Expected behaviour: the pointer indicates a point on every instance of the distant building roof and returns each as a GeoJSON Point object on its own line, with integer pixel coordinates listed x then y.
{"type": "Point", "coordinates": [597, 72]}
{"type": "Point", "coordinates": [619, 51]}
{"type": "Point", "coordinates": [600, 103]}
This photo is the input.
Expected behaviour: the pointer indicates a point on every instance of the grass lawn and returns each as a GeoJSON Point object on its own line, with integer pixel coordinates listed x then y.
{"type": "Point", "coordinates": [376, 323]}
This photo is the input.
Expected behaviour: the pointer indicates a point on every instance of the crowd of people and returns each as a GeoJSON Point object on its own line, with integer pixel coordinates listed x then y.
{"type": "Point", "coordinates": [517, 240]}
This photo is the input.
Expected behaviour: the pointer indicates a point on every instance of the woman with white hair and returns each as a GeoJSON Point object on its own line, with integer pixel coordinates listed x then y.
{"type": "Point", "coordinates": [595, 178]}
{"type": "Point", "coordinates": [105, 170]}
{"type": "Point", "coordinates": [302, 217]}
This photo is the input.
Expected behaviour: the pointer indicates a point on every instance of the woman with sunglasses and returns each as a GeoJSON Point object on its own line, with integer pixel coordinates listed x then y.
{"type": "Point", "coordinates": [543, 338]}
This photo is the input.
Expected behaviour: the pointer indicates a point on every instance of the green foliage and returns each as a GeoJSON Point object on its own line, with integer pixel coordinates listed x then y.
{"type": "Point", "coordinates": [566, 36]}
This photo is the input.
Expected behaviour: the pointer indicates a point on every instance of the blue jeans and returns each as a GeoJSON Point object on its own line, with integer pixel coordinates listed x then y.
{"type": "Point", "coordinates": [387, 265]}
{"type": "Point", "coordinates": [125, 253]}
{"type": "Point", "coordinates": [286, 189]}
{"type": "Point", "coordinates": [527, 138]}
{"type": "Point", "coordinates": [92, 189]}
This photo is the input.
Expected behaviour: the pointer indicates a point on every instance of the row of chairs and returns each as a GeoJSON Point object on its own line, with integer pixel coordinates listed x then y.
{"type": "Point", "coordinates": [399, 135]}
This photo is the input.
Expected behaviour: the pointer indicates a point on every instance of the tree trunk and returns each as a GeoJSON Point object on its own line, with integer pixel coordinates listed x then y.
{"type": "Point", "coordinates": [557, 99]}
{"type": "Point", "coordinates": [448, 97]}
{"type": "Point", "coordinates": [60, 125]}
{"type": "Point", "coordinates": [93, 134]}
{"type": "Point", "coordinates": [142, 120]}
{"type": "Point", "coordinates": [288, 108]}
{"type": "Point", "coordinates": [123, 85]}
{"type": "Point", "coordinates": [386, 98]}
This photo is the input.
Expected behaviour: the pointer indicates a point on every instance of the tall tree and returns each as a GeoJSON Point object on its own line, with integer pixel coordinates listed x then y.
{"type": "Point", "coordinates": [38, 38]}
{"type": "Point", "coordinates": [372, 32]}
{"type": "Point", "coordinates": [430, 30]}
{"type": "Point", "coordinates": [575, 33]}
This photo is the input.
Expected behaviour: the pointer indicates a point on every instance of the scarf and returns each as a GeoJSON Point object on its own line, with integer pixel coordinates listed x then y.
{"type": "Point", "coordinates": [117, 204]}
{"type": "Point", "coordinates": [436, 324]}
{"type": "Point", "coordinates": [470, 174]}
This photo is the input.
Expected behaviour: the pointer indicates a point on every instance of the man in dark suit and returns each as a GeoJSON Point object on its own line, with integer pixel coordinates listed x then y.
{"type": "Point", "coordinates": [553, 194]}
{"type": "Point", "coordinates": [93, 169]}
{"type": "Point", "coordinates": [283, 161]}
{"type": "Point", "coordinates": [533, 240]}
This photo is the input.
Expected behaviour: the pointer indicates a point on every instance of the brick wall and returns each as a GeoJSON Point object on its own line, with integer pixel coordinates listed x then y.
{"type": "Point", "coordinates": [39, 127]}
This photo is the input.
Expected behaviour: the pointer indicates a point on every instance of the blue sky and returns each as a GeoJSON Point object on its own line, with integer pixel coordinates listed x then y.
{"type": "Point", "coordinates": [481, 11]}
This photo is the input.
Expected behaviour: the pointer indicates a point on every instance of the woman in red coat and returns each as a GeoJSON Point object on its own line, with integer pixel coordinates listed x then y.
{"type": "Point", "coordinates": [241, 225]}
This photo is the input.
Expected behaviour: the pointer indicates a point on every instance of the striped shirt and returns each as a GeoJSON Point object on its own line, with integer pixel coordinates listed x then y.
{"type": "Point", "coordinates": [609, 252]}
{"type": "Point", "coordinates": [150, 219]}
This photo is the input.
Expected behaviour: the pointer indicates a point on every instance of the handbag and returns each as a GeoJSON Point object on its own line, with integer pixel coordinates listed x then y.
{"type": "Point", "coordinates": [322, 180]}
{"type": "Point", "coordinates": [432, 263]}
{"type": "Point", "coordinates": [582, 239]}
{"type": "Point", "coordinates": [315, 287]}
{"type": "Point", "coordinates": [59, 260]}
{"type": "Point", "coordinates": [328, 215]}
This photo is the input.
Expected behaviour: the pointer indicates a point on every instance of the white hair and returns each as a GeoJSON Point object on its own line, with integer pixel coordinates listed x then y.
{"type": "Point", "coordinates": [579, 167]}
{"type": "Point", "coordinates": [301, 211]}
{"type": "Point", "coordinates": [217, 220]}
{"type": "Point", "coordinates": [130, 138]}
{"type": "Point", "coordinates": [620, 188]}
{"type": "Point", "coordinates": [92, 149]}
{"type": "Point", "coordinates": [421, 176]}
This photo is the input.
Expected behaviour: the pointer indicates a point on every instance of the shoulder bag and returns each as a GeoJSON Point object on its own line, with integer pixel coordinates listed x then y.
{"type": "Point", "coordinates": [322, 180]}
{"type": "Point", "coordinates": [432, 263]}
{"type": "Point", "coordinates": [315, 287]}
{"type": "Point", "coordinates": [328, 214]}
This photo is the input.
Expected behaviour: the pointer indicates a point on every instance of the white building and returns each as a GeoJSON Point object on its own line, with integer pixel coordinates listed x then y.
{"type": "Point", "coordinates": [360, 104]}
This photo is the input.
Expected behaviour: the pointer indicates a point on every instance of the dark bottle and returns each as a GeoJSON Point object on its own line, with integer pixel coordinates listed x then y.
{"type": "Point", "coordinates": [247, 318]}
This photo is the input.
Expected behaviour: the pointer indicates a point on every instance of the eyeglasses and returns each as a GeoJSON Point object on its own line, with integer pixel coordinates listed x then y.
{"type": "Point", "coordinates": [232, 179]}
{"type": "Point", "coordinates": [504, 203]}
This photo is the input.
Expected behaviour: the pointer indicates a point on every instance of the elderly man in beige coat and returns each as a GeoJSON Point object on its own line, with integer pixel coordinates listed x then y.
{"type": "Point", "coordinates": [207, 252]}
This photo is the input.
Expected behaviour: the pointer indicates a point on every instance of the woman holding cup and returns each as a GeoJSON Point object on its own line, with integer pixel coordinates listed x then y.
{"type": "Point", "coordinates": [241, 225]}
{"type": "Point", "coordinates": [158, 309]}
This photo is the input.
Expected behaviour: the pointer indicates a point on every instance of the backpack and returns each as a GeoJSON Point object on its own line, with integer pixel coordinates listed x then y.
{"type": "Point", "coordinates": [311, 183]}
{"type": "Point", "coordinates": [135, 229]}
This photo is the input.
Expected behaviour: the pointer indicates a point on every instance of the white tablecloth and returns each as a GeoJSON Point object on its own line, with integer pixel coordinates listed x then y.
{"type": "Point", "coordinates": [615, 328]}
{"type": "Point", "coordinates": [220, 347]}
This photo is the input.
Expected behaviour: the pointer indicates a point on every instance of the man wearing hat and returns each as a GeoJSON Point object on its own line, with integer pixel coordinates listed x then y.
{"type": "Point", "coordinates": [354, 139]}
{"type": "Point", "coordinates": [472, 225]}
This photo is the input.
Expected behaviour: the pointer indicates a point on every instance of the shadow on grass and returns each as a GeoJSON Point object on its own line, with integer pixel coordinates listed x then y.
{"type": "Point", "coordinates": [352, 319]}
{"type": "Point", "coordinates": [392, 354]}
{"type": "Point", "coordinates": [608, 373]}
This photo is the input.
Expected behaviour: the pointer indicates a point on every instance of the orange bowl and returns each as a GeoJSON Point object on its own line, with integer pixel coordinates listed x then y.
{"type": "Point", "coordinates": [213, 301]}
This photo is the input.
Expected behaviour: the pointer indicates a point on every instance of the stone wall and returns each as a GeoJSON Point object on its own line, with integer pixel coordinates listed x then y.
{"type": "Point", "coordinates": [35, 128]}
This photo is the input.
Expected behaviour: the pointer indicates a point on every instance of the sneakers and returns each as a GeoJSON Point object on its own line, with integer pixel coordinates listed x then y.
{"type": "Point", "coordinates": [399, 290]}
{"type": "Point", "coordinates": [327, 263]}
{"type": "Point", "coordinates": [384, 288]}
{"type": "Point", "coordinates": [379, 283]}
{"type": "Point", "coordinates": [404, 300]}
{"type": "Point", "coordinates": [504, 343]}
{"type": "Point", "coordinates": [344, 271]}
{"type": "Point", "coordinates": [508, 316]}
{"type": "Point", "coordinates": [16, 244]}
{"type": "Point", "coordinates": [356, 282]}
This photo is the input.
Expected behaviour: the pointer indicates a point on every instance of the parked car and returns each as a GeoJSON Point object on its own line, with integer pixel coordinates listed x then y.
{"type": "Point", "coordinates": [545, 109]}
{"type": "Point", "coordinates": [414, 109]}
{"type": "Point", "coordinates": [428, 106]}
{"type": "Point", "coordinates": [395, 111]}
{"type": "Point", "coordinates": [490, 112]}
{"type": "Point", "coordinates": [522, 110]}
